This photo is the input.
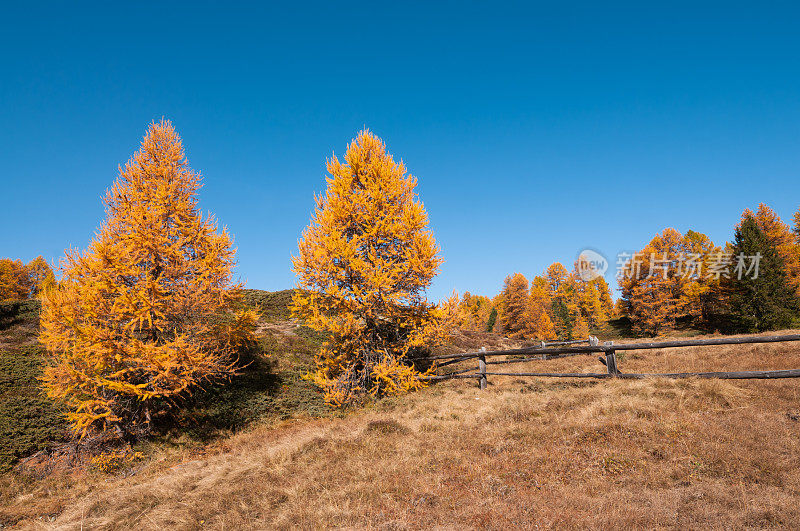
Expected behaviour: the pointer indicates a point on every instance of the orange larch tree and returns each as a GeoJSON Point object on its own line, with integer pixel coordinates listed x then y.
{"type": "Point", "coordinates": [19, 281]}
{"type": "Point", "coordinates": [538, 321]}
{"type": "Point", "coordinates": [671, 277]}
{"type": "Point", "coordinates": [593, 298]}
{"type": "Point", "coordinates": [565, 309]}
{"type": "Point", "coordinates": [473, 312]}
{"type": "Point", "coordinates": [701, 292]}
{"type": "Point", "coordinates": [143, 315]}
{"type": "Point", "coordinates": [364, 264]}
{"type": "Point", "coordinates": [515, 306]}
{"type": "Point", "coordinates": [40, 275]}
{"type": "Point", "coordinates": [14, 280]}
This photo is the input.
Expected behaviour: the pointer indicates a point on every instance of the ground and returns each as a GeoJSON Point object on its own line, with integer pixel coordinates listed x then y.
{"type": "Point", "coordinates": [523, 453]}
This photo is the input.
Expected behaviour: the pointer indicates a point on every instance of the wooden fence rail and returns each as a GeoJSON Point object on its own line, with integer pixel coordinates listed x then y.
{"type": "Point", "coordinates": [560, 349]}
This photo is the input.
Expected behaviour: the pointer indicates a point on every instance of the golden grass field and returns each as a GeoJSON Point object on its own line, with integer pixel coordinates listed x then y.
{"type": "Point", "coordinates": [525, 453]}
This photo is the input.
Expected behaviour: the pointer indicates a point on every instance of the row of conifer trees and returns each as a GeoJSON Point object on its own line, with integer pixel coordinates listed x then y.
{"type": "Point", "coordinates": [559, 304]}
{"type": "Point", "coordinates": [750, 284]}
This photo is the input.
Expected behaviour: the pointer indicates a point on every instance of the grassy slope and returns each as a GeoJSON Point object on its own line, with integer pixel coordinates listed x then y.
{"type": "Point", "coordinates": [269, 387]}
{"type": "Point", "coordinates": [654, 453]}
{"type": "Point", "coordinates": [28, 421]}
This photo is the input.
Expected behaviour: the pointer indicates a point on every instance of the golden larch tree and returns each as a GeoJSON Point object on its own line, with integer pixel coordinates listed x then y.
{"type": "Point", "coordinates": [19, 281]}
{"type": "Point", "coordinates": [580, 328]}
{"type": "Point", "coordinates": [563, 288]}
{"type": "Point", "coordinates": [364, 264]}
{"type": "Point", "coordinates": [40, 275]}
{"type": "Point", "coordinates": [652, 285]}
{"type": "Point", "coordinates": [142, 316]}
{"type": "Point", "coordinates": [515, 306]}
{"type": "Point", "coordinates": [538, 321]}
{"type": "Point", "coordinates": [796, 227]}
{"type": "Point", "coordinates": [473, 312]}
{"type": "Point", "coordinates": [701, 292]}
{"type": "Point", "coordinates": [14, 280]}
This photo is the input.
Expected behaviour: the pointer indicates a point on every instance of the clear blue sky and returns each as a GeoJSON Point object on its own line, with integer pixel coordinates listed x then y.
{"type": "Point", "coordinates": [535, 129]}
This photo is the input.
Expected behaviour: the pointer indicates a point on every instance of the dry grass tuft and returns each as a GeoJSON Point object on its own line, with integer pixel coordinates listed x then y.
{"type": "Point", "coordinates": [385, 427]}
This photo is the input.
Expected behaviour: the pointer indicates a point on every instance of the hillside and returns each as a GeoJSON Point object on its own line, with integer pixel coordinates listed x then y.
{"type": "Point", "coordinates": [264, 451]}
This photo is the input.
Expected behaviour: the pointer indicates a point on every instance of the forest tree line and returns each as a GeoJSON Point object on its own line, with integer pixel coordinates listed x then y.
{"type": "Point", "coordinates": [750, 284]}
{"type": "Point", "coordinates": [558, 304]}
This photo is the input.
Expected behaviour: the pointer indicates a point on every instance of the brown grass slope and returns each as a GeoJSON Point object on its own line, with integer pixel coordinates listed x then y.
{"type": "Point", "coordinates": [655, 453]}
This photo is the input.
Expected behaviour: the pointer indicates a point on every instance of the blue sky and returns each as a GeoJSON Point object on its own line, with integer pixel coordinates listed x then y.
{"type": "Point", "coordinates": [535, 129]}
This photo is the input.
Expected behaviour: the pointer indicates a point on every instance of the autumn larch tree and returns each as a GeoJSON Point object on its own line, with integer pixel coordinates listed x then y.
{"type": "Point", "coordinates": [538, 322]}
{"type": "Point", "coordinates": [364, 264]}
{"type": "Point", "coordinates": [40, 275]}
{"type": "Point", "coordinates": [14, 280]}
{"type": "Point", "coordinates": [515, 306]}
{"type": "Point", "coordinates": [19, 281]}
{"type": "Point", "coordinates": [593, 299]}
{"type": "Point", "coordinates": [565, 308]}
{"type": "Point", "coordinates": [131, 324]}
{"type": "Point", "coordinates": [473, 312]}
{"type": "Point", "coordinates": [796, 227]}
{"type": "Point", "coordinates": [701, 295]}
{"type": "Point", "coordinates": [652, 285]}
{"type": "Point", "coordinates": [497, 312]}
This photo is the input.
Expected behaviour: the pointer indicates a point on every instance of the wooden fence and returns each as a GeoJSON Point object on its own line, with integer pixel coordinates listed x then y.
{"type": "Point", "coordinates": [561, 349]}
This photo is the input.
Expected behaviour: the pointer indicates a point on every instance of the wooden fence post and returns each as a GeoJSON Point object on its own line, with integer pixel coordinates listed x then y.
{"type": "Point", "coordinates": [482, 368]}
{"type": "Point", "coordinates": [611, 360]}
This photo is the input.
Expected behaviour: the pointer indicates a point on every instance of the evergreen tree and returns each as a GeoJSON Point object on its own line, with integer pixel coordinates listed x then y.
{"type": "Point", "coordinates": [767, 302]}
{"type": "Point", "coordinates": [780, 235]}
{"type": "Point", "coordinates": [492, 319]}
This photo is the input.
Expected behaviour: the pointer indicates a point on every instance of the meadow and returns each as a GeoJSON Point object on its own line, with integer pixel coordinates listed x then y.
{"type": "Point", "coordinates": [265, 451]}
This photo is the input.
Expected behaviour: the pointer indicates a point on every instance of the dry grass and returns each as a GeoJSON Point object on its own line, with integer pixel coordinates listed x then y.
{"type": "Point", "coordinates": [524, 453]}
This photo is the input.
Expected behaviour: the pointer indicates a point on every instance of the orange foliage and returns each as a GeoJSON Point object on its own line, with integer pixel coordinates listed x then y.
{"type": "Point", "coordinates": [131, 325]}
{"type": "Point", "coordinates": [473, 312]}
{"type": "Point", "coordinates": [40, 276]}
{"type": "Point", "coordinates": [14, 280]}
{"type": "Point", "coordinates": [672, 276]}
{"type": "Point", "coordinates": [538, 322]}
{"type": "Point", "coordinates": [364, 263]}
{"type": "Point", "coordinates": [19, 281]}
{"type": "Point", "coordinates": [515, 305]}
{"type": "Point", "coordinates": [654, 290]}
{"type": "Point", "coordinates": [559, 304]}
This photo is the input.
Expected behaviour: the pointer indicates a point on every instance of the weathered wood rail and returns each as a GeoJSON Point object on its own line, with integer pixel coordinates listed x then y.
{"type": "Point", "coordinates": [560, 349]}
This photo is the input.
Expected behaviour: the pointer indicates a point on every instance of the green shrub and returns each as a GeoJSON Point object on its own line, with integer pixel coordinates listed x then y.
{"type": "Point", "coordinates": [16, 312]}
{"type": "Point", "coordinates": [29, 421]}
